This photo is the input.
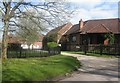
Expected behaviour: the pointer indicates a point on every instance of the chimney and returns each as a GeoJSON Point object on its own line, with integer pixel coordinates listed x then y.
{"type": "Point", "coordinates": [81, 24]}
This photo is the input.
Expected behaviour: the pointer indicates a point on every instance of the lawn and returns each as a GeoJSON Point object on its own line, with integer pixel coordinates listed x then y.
{"type": "Point", "coordinates": [37, 69]}
{"type": "Point", "coordinates": [93, 54]}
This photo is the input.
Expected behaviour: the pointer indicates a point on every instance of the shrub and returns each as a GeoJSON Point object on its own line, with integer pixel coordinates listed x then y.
{"type": "Point", "coordinates": [49, 38]}
{"type": "Point", "coordinates": [52, 44]}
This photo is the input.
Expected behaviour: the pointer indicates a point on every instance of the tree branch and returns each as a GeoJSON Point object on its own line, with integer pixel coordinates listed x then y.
{"type": "Point", "coordinates": [2, 11]}
{"type": "Point", "coordinates": [18, 25]}
{"type": "Point", "coordinates": [15, 7]}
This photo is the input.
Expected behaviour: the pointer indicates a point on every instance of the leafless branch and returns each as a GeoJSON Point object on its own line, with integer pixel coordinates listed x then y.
{"type": "Point", "coordinates": [2, 11]}
{"type": "Point", "coordinates": [18, 25]}
{"type": "Point", "coordinates": [15, 7]}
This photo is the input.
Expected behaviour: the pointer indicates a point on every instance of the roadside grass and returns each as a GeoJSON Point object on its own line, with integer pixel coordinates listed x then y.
{"type": "Point", "coordinates": [38, 69]}
{"type": "Point", "coordinates": [93, 54]}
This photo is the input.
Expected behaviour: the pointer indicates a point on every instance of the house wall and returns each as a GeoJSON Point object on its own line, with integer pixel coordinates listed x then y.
{"type": "Point", "coordinates": [100, 39]}
{"type": "Point", "coordinates": [32, 46]}
{"type": "Point", "coordinates": [63, 41]}
{"type": "Point", "coordinates": [74, 38]}
{"type": "Point", "coordinates": [72, 43]}
{"type": "Point", "coordinates": [117, 39]}
{"type": "Point", "coordinates": [78, 38]}
{"type": "Point", "coordinates": [83, 39]}
{"type": "Point", "coordinates": [95, 38]}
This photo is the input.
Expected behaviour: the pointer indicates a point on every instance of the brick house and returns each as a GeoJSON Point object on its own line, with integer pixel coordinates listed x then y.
{"type": "Point", "coordinates": [35, 45]}
{"type": "Point", "coordinates": [56, 34]}
{"type": "Point", "coordinates": [91, 32]}
{"type": "Point", "coordinates": [70, 37]}
{"type": "Point", "coordinates": [14, 43]}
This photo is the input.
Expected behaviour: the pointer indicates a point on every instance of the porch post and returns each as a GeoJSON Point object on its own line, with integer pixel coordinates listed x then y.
{"type": "Point", "coordinates": [86, 44]}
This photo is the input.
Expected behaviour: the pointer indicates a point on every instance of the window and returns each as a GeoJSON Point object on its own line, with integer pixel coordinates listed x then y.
{"type": "Point", "coordinates": [74, 39]}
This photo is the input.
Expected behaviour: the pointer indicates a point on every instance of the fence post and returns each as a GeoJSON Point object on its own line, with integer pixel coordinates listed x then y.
{"type": "Point", "coordinates": [101, 49]}
{"type": "Point", "coordinates": [85, 49]}
{"type": "Point", "coordinates": [49, 51]}
{"type": "Point", "coordinates": [115, 49]}
{"type": "Point", "coordinates": [54, 50]}
{"type": "Point", "coordinates": [59, 48]}
{"type": "Point", "coordinates": [20, 52]}
{"type": "Point", "coordinates": [118, 50]}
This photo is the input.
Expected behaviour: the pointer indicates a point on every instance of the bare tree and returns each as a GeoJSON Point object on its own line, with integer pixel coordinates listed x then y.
{"type": "Point", "coordinates": [28, 31]}
{"type": "Point", "coordinates": [51, 13]}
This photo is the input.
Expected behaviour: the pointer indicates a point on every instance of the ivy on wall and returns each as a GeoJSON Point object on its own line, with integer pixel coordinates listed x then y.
{"type": "Point", "coordinates": [110, 36]}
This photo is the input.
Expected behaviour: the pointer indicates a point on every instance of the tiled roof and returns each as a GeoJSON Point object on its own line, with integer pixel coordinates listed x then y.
{"type": "Point", "coordinates": [63, 30]}
{"type": "Point", "coordinates": [41, 37]}
{"type": "Point", "coordinates": [13, 39]}
{"type": "Point", "coordinates": [53, 31]}
{"type": "Point", "coordinates": [92, 26]}
{"type": "Point", "coordinates": [60, 31]}
{"type": "Point", "coordinates": [101, 26]}
{"type": "Point", "coordinates": [73, 29]}
{"type": "Point", "coordinates": [99, 29]}
{"type": "Point", "coordinates": [38, 43]}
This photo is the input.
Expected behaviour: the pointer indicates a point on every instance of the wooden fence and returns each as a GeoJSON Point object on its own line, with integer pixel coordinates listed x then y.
{"type": "Point", "coordinates": [99, 49]}
{"type": "Point", "coordinates": [25, 53]}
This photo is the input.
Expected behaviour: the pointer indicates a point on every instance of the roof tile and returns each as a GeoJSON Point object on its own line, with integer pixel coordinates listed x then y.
{"type": "Point", "coordinates": [100, 24]}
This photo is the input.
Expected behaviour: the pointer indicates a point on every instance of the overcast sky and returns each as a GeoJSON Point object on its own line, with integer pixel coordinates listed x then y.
{"type": "Point", "coordinates": [91, 9]}
{"type": "Point", "coordinates": [94, 9]}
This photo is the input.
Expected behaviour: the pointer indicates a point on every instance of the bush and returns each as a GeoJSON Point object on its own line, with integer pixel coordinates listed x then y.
{"type": "Point", "coordinates": [47, 39]}
{"type": "Point", "coordinates": [52, 44]}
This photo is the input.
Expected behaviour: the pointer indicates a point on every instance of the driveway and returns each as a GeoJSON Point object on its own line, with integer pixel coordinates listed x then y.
{"type": "Point", "coordinates": [94, 69]}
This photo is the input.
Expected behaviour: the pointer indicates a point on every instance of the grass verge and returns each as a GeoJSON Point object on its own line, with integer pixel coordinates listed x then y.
{"type": "Point", "coordinates": [91, 54]}
{"type": "Point", "coordinates": [37, 69]}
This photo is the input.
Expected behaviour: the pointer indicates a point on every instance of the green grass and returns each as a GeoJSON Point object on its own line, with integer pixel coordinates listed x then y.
{"type": "Point", "coordinates": [92, 54]}
{"type": "Point", "coordinates": [35, 69]}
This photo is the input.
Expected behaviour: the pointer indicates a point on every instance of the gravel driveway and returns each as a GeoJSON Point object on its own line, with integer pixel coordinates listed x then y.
{"type": "Point", "coordinates": [94, 69]}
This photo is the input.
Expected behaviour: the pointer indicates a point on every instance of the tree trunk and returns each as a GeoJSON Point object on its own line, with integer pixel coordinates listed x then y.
{"type": "Point", "coordinates": [5, 40]}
